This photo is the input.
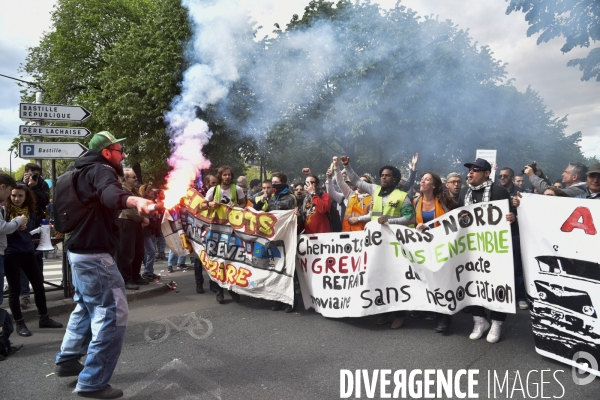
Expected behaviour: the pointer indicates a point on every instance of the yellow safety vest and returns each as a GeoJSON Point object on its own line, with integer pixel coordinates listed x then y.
{"type": "Point", "coordinates": [265, 204]}
{"type": "Point", "coordinates": [232, 191]}
{"type": "Point", "coordinates": [392, 207]}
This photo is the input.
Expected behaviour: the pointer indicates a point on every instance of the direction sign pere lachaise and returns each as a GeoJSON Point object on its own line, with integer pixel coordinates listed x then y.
{"type": "Point", "coordinates": [55, 150]}
{"type": "Point", "coordinates": [52, 112]}
{"type": "Point", "coordinates": [54, 131]}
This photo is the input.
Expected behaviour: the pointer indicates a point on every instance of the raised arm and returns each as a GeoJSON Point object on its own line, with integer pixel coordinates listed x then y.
{"type": "Point", "coordinates": [334, 194]}
{"type": "Point", "coordinates": [355, 179]}
{"type": "Point", "coordinates": [346, 191]}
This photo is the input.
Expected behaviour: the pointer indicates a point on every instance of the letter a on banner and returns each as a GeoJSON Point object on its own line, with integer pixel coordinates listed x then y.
{"type": "Point", "coordinates": [573, 222]}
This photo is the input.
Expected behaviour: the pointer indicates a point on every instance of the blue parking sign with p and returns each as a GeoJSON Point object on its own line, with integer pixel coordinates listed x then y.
{"type": "Point", "coordinates": [28, 149]}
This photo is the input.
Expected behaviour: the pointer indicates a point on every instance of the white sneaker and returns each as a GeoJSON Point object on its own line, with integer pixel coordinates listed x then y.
{"type": "Point", "coordinates": [523, 305]}
{"type": "Point", "coordinates": [481, 325]}
{"type": "Point", "coordinates": [494, 333]}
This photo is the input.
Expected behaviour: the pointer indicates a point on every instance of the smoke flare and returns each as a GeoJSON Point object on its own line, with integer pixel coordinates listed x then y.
{"type": "Point", "coordinates": [213, 68]}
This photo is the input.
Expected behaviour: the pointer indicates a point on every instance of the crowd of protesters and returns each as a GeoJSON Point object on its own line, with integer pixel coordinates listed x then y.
{"type": "Point", "coordinates": [358, 200]}
{"type": "Point", "coordinates": [345, 201]}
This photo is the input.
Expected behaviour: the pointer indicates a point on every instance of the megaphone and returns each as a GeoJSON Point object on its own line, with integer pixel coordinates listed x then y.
{"type": "Point", "coordinates": [45, 236]}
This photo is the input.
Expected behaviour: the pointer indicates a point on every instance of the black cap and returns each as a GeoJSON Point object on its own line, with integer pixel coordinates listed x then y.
{"type": "Point", "coordinates": [481, 163]}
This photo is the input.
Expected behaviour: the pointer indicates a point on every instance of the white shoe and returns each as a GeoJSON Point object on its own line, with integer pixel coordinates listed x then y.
{"type": "Point", "coordinates": [494, 334]}
{"type": "Point", "coordinates": [523, 305]}
{"type": "Point", "coordinates": [481, 325]}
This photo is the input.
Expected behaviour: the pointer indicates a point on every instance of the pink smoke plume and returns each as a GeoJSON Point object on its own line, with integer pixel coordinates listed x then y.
{"type": "Point", "coordinates": [187, 160]}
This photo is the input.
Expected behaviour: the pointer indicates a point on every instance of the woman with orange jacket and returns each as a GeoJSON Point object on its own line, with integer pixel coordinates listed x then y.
{"type": "Point", "coordinates": [431, 204]}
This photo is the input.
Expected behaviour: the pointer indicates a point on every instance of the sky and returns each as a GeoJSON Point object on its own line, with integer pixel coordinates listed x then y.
{"type": "Point", "coordinates": [542, 67]}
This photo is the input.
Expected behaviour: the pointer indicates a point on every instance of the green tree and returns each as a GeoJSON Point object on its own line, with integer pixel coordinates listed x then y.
{"type": "Point", "coordinates": [123, 60]}
{"type": "Point", "coordinates": [578, 21]}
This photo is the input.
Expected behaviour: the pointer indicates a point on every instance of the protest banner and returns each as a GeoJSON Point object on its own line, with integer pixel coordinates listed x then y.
{"type": "Point", "coordinates": [559, 246]}
{"type": "Point", "coordinates": [466, 260]}
{"type": "Point", "coordinates": [250, 252]}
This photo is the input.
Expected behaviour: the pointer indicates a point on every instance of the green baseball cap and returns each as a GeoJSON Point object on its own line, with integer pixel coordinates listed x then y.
{"type": "Point", "coordinates": [102, 140]}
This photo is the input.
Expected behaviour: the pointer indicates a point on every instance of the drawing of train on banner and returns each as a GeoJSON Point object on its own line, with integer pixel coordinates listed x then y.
{"type": "Point", "coordinates": [258, 251]}
{"type": "Point", "coordinates": [567, 292]}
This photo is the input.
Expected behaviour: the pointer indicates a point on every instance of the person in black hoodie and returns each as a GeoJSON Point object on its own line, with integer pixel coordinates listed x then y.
{"type": "Point", "coordinates": [20, 256]}
{"type": "Point", "coordinates": [99, 288]}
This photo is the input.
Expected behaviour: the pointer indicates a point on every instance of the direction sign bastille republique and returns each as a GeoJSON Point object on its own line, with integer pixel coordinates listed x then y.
{"type": "Point", "coordinates": [52, 112]}
{"type": "Point", "coordinates": [56, 150]}
{"type": "Point", "coordinates": [54, 131]}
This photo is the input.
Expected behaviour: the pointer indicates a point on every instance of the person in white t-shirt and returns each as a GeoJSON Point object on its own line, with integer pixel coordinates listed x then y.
{"type": "Point", "coordinates": [231, 195]}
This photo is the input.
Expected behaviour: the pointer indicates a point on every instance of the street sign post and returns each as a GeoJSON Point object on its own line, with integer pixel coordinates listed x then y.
{"type": "Point", "coordinates": [54, 131]}
{"type": "Point", "coordinates": [52, 112]}
{"type": "Point", "coordinates": [51, 150]}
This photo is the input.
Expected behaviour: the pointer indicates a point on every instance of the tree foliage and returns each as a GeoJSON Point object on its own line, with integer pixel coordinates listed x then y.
{"type": "Point", "coordinates": [123, 60]}
{"type": "Point", "coordinates": [400, 85]}
{"type": "Point", "coordinates": [578, 21]}
{"type": "Point", "coordinates": [344, 78]}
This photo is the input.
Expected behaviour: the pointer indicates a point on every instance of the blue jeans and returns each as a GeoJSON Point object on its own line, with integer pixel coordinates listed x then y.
{"type": "Point", "coordinates": [97, 325]}
{"type": "Point", "coordinates": [172, 257]}
{"type": "Point", "coordinates": [149, 255]}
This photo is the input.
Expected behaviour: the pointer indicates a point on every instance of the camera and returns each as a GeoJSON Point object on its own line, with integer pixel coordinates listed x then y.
{"type": "Point", "coordinates": [533, 167]}
{"type": "Point", "coordinates": [34, 176]}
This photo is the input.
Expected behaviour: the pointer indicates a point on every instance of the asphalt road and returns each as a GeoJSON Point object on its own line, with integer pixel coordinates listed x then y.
{"type": "Point", "coordinates": [184, 345]}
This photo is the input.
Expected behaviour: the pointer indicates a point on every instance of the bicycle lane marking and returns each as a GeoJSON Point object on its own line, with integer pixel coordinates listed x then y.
{"type": "Point", "coordinates": [197, 327]}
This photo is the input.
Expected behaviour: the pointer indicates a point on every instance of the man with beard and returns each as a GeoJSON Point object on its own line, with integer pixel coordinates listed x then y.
{"type": "Point", "coordinates": [390, 205]}
{"type": "Point", "coordinates": [481, 189]}
{"type": "Point", "coordinates": [231, 195]}
{"type": "Point", "coordinates": [100, 297]}
{"type": "Point", "coordinates": [453, 185]}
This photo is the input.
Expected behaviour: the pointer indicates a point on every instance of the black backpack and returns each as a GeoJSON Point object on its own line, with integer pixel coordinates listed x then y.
{"type": "Point", "coordinates": [69, 211]}
{"type": "Point", "coordinates": [6, 328]}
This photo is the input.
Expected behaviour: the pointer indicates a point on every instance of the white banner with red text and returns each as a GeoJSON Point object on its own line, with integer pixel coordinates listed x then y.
{"type": "Point", "coordinates": [250, 252]}
{"type": "Point", "coordinates": [465, 261]}
{"type": "Point", "coordinates": [559, 248]}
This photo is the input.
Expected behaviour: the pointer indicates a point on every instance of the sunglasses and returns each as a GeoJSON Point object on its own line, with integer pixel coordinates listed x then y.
{"type": "Point", "coordinates": [504, 176]}
{"type": "Point", "coordinates": [476, 169]}
{"type": "Point", "coordinates": [120, 151]}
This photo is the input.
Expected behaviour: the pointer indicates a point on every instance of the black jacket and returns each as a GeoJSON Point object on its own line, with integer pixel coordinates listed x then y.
{"type": "Point", "coordinates": [20, 242]}
{"type": "Point", "coordinates": [498, 193]}
{"type": "Point", "coordinates": [99, 188]}
{"type": "Point", "coordinates": [280, 201]}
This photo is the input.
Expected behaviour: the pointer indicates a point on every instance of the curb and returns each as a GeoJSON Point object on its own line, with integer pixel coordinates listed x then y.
{"type": "Point", "coordinates": [66, 306]}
